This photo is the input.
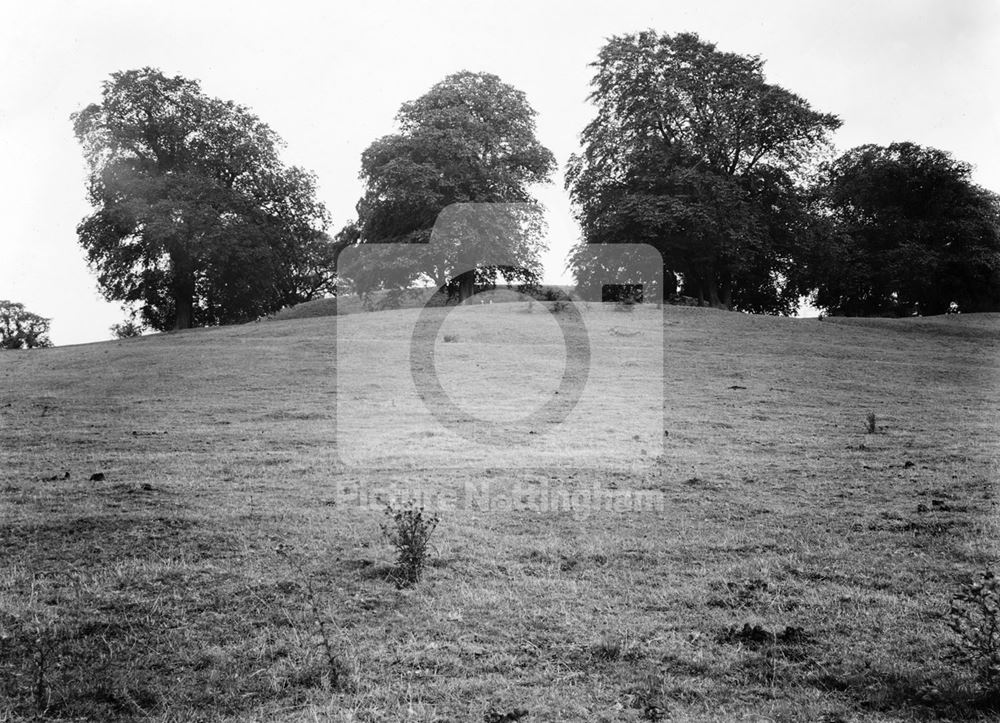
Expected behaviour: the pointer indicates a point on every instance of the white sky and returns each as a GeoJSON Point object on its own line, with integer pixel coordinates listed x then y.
{"type": "Point", "coordinates": [330, 79]}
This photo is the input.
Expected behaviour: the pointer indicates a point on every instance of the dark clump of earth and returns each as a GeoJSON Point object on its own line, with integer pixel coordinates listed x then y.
{"type": "Point", "coordinates": [756, 635]}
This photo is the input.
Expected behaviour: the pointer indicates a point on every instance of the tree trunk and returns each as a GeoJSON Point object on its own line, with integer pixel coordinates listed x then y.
{"type": "Point", "coordinates": [183, 292]}
{"type": "Point", "coordinates": [466, 285]}
{"type": "Point", "coordinates": [726, 292]}
{"type": "Point", "coordinates": [716, 288]}
{"type": "Point", "coordinates": [713, 292]}
{"type": "Point", "coordinates": [184, 306]}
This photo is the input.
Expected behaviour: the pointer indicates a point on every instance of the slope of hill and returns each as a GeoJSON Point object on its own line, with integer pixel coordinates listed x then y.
{"type": "Point", "coordinates": [415, 298]}
{"type": "Point", "coordinates": [183, 536]}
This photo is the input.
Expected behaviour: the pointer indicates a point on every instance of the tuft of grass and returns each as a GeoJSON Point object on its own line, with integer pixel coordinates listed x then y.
{"type": "Point", "coordinates": [649, 696]}
{"type": "Point", "coordinates": [615, 647]}
{"type": "Point", "coordinates": [871, 423]}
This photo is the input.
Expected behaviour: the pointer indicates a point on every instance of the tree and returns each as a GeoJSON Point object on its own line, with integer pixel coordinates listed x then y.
{"type": "Point", "coordinates": [20, 329]}
{"type": "Point", "coordinates": [196, 220]}
{"type": "Point", "coordinates": [693, 152]}
{"type": "Point", "coordinates": [911, 234]}
{"type": "Point", "coordinates": [470, 139]}
{"type": "Point", "coordinates": [312, 273]}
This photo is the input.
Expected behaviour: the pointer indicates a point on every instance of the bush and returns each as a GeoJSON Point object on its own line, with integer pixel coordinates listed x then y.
{"type": "Point", "coordinates": [20, 329]}
{"type": "Point", "coordinates": [872, 427]}
{"type": "Point", "coordinates": [126, 330]}
{"type": "Point", "coordinates": [550, 293]}
{"type": "Point", "coordinates": [409, 529]}
{"type": "Point", "coordinates": [975, 618]}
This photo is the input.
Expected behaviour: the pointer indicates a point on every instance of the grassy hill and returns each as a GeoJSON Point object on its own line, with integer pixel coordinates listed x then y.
{"type": "Point", "coordinates": [181, 540]}
{"type": "Point", "coordinates": [417, 297]}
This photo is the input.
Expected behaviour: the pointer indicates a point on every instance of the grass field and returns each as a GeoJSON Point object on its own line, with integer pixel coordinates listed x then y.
{"type": "Point", "coordinates": [220, 566]}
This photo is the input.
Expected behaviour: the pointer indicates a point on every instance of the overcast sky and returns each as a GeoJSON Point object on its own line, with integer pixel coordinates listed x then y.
{"type": "Point", "coordinates": [330, 79]}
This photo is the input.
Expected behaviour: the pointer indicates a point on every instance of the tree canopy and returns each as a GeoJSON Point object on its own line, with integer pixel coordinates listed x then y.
{"type": "Point", "coordinates": [911, 233]}
{"type": "Point", "coordinates": [21, 329]}
{"type": "Point", "coordinates": [195, 218]}
{"type": "Point", "coordinates": [470, 139]}
{"type": "Point", "coordinates": [693, 152]}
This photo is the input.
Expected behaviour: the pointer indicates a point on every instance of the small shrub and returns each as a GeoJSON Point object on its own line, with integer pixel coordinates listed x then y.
{"type": "Point", "coordinates": [30, 647]}
{"type": "Point", "coordinates": [530, 287]}
{"type": "Point", "coordinates": [559, 306]}
{"type": "Point", "coordinates": [975, 618]}
{"type": "Point", "coordinates": [126, 330]}
{"type": "Point", "coordinates": [335, 666]}
{"type": "Point", "coordinates": [409, 529]}
{"type": "Point", "coordinates": [872, 428]}
{"type": "Point", "coordinates": [393, 299]}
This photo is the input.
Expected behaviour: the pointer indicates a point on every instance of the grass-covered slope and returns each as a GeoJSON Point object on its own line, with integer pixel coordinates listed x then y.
{"type": "Point", "coordinates": [186, 581]}
{"type": "Point", "coordinates": [349, 303]}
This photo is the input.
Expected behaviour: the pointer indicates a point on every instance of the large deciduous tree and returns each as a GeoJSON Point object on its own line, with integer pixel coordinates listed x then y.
{"type": "Point", "coordinates": [21, 329]}
{"type": "Point", "coordinates": [470, 139]}
{"type": "Point", "coordinates": [693, 152]}
{"type": "Point", "coordinates": [911, 234]}
{"type": "Point", "coordinates": [196, 221]}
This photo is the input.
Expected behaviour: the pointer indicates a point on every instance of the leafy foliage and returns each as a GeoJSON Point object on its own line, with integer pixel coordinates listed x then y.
{"type": "Point", "coordinates": [20, 329]}
{"type": "Point", "coordinates": [975, 618]}
{"type": "Point", "coordinates": [693, 152]}
{"type": "Point", "coordinates": [127, 329]}
{"type": "Point", "coordinates": [409, 529]}
{"type": "Point", "coordinates": [470, 139]}
{"type": "Point", "coordinates": [912, 233]}
{"type": "Point", "coordinates": [196, 220]}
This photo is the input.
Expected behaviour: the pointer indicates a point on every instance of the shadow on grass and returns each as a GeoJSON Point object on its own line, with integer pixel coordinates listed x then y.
{"type": "Point", "coordinates": [948, 694]}
{"type": "Point", "coordinates": [117, 617]}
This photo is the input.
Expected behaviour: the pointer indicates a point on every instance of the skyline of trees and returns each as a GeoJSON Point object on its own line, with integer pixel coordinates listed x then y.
{"type": "Point", "coordinates": [197, 222]}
